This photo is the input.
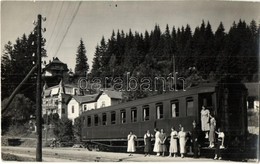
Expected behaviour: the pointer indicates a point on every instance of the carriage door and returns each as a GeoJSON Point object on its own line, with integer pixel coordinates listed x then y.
{"type": "Point", "coordinates": [206, 99]}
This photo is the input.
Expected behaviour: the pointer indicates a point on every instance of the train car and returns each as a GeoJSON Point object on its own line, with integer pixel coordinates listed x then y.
{"type": "Point", "coordinates": [109, 126]}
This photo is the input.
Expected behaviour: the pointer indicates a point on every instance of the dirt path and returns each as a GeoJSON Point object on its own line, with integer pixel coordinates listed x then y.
{"type": "Point", "coordinates": [83, 155]}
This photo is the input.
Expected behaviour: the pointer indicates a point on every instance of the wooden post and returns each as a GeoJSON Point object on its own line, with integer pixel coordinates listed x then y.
{"type": "Point", "coordinates": [39, 94]}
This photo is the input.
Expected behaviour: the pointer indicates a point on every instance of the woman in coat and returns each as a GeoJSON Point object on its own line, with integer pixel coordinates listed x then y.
{"type": "Point", "coordinates": [173, 142]}
{"type": "Point", "coordinates": [157, 143]}
{"type": "Point", "coordinates": [147, 143]}
{"type": "Point", "coordinates": [131, 143]}
{"type": "Point", "coordinates": [182, 140]}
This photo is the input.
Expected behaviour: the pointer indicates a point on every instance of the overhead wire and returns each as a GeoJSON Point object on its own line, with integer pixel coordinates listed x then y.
{"type": "Point", "coordinates": [54, 27]}
{"type": "Point", "coordinates": [66, 32]}
{"type": "Point", "coordinates": [60, 29]}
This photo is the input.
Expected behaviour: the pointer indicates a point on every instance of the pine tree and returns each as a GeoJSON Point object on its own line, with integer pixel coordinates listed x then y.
{"type": "Point", "coordinates": [6, 72]}
{"type": "Point", "coordinates": [96, 66]}
{"type": "Point", "coordinates": [82, 66]}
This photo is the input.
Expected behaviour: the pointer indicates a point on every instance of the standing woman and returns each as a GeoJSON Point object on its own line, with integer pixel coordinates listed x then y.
{"type": "Point", "coordinates": [163, 138]}
{"type": "Point", "coordinates": [182, 140]}
{"type": "Point", "coordinates": [131, 143]}
{"type": "Point", "coordinates": [157, 143]}
{"type": "Point", "coordinates": [205, 120]}
{"type": "Point", "coordinates": [147, 143]}
{"type": "Point", "coordinates": [212, 131]}
{"type": "Point", "coordinates": [173, 142]}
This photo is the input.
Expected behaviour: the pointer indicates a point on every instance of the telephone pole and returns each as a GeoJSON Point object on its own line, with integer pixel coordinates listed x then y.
{"type": "Point", "coordinates": [39, 92]}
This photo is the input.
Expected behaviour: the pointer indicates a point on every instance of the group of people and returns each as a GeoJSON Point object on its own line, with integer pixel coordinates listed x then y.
{"type": "Point", "coordinates": [177, 140]}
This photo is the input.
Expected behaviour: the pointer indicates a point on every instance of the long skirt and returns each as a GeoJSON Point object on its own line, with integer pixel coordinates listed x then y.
{"type": "Point", "coordinates": [182, 145]}
{"type": "Point", "coordinates": [173, 146]}
{"type": "Point", "coordinates": [157, 147]}
{"type": "Point", "coordinates": [148, 147]}
{"type": "Point", "coordinates": [131, 146]}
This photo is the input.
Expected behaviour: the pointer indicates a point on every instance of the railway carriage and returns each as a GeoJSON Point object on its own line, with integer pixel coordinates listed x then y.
{"type": "Point", "coordinates": [109, 126]}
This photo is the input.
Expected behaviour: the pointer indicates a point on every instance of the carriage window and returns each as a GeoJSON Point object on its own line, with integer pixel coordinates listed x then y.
{"type": "Point", "coordinates": [104, 119]}
{"type": "Point", "coordinates": [145, 113]}
{"type": "Point", "coordinates": [89, 121]}
{"type": "Point", "coordinates": [123, 116]}
{"type": "Point", "coordinates": [133, 115]}
{"type": "Point", "coordinates": [113, 117]}
{"type": "Point", "coordinates": [83, 120]}
{"type": "Point", "coordinates": [175, 108]}
{"type": "Point", "coordinates": [96, 120]}
{"type": "Point", "coordinates": [250, 103]}
{"type": "Point", "coordinates": [190, 107]}
{"type": "Point", "coordinates": [159, 111]}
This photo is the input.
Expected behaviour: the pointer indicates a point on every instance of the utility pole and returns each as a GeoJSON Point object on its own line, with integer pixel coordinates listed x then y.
{"type": "Point", "coordinates": [39, 92]}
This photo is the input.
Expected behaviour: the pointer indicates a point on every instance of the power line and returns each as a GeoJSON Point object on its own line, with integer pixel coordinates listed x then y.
{"type": "Point", "coordinates": [62, 21]}
{"type": "Point", "coordinates": [74, 15]}
{"type": "Point", "coordinates": [56, 22]}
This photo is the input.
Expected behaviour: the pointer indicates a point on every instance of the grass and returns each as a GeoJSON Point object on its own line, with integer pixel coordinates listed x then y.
{"type": "Point", "coordinates": [11, 157]}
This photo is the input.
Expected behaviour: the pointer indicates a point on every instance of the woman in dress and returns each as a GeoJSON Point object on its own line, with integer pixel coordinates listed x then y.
{"type": "Point", "coordinates": [131, 143]}
{"type": "Point", "coordinates": [173, 143]}
{"type": "Point", "coordinates": [157, 143]}
{"type": "Point", "coordinates": [212, 131]}
{"type": "Point", "coordinates": [147, 143]}
{"type": "Point", "coordinates": [205, 120]}
{"type": "Point", "coordinates": [182, 140]}
{"type": "Point", "coordinates": [163, 138]}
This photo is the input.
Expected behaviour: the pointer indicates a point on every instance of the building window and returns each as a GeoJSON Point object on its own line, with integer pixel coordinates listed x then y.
{"type": "Point", "coordinates": [113, 117]}
{"type": "Point", "coordinates": [96, 120]}
{"type": "Point", "coordinates": [133, 115]}
{"type": "Point", "coordinates": [72, 109]}
{"type": "Point", "coordinates": [103, 104]}
{"type": "Point", "coordinates": [85, 107]}
{"type": "Point", "coordinates": [104, 119]}
{"type": "Point", "coordinates": [63, 110]}
{"type": "Point", "coordinates": [159, 111]}
{"type": "Point", "coordinates": [174, 108]}
{"type": "Point", "coordinates": [123, 116]}
{"type": "Point", "coordinates": [146, 113]}
{"type": "Point", "coordinates": [190, 107]}
{"type": "Point", "coordinates": [89, 121]}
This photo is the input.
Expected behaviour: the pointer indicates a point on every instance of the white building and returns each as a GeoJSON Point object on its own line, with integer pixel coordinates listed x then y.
{"type": "Point", "coordinates": [78, 104]}
{"type": "Point", "coordinates": [55, 98]}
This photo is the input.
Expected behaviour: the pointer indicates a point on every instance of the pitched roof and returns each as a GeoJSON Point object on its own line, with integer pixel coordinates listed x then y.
{"type": "Point", "coordinates": [66, 97]}
{"type": "Point", "coordinates": [114, 94]}
{"type": "Point", "coordinates": [86, 98]}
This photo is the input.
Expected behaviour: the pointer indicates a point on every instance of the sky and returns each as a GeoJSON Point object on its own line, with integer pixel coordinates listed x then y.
{"type": "Point", "coordinates": [69, 21]}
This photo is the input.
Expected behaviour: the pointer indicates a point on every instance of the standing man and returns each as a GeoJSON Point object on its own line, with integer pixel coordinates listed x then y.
{"type": "Point", "coordinates": [194, 139]}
